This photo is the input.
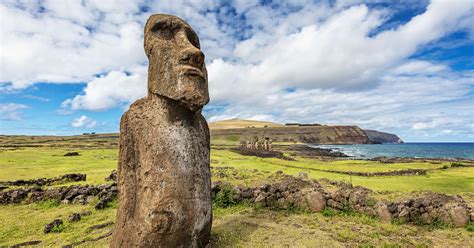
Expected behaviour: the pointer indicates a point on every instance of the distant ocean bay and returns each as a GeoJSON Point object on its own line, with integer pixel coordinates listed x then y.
{"type": "Point", "coordinates": [417, 150]}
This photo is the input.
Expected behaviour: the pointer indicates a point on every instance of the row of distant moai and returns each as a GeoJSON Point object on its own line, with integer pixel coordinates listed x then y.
{"type": "Point", "coordinates": [256, 144]}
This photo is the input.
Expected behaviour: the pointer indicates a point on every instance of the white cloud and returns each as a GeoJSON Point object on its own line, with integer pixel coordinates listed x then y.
{"type": "Point", "coordinates": [105, 92]}
{"type": "Point", "coordinates": [421, 126]}
{"type": "Point", "coordinates": [301, 62]}
{"type": "Point", "coordinates": [414, 67]}
{"type": "Point", "coordinates": [83, 121]}
{"type": "Point", "coordinates": [11, 111]}
{"type": "Point", "coordinates": [409, 106]}
{"type": "Point", "coordinates": [48, 42]}
{"type": "Point", "coordinates": [337, 53]}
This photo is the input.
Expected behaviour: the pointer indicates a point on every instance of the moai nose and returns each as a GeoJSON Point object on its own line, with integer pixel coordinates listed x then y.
{"type": "Point", "coordinates": [192, 57]}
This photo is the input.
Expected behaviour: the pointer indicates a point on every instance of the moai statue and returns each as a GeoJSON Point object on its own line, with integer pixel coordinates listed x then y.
{"type": "Point", "coordinates": [164, 177]}
{"type": "Point", "coordinates": [270, 146]}
{"type": "Point", "coordinates": [249, 144]}
{"type": "Point", "coordinates": [255, 144]}
{"type": "Point", "coordinates": [265, 144]}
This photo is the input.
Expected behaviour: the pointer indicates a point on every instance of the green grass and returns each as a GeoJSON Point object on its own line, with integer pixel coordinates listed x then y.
{"type": "Point", "coordinates": [237, 225]}
{"type": "Point", "coordinates": [450, 181]}
{"type": "Point", "coordinates": [243, 226]}
{"type": "Point", "coordinates": [32, 163]}
{"type": "Point", "coordinates": [21, 223]}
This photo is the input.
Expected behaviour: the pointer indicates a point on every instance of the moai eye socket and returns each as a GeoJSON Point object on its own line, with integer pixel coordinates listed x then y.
{"type": "Point", "coordinates": [165, 29]}
{"type": "Point", "coordinates": [193, 38]}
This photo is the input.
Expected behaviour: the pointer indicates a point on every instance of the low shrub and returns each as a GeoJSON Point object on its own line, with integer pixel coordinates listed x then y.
{"type": "Point", "coordinates": [57, 229]}
{"type": "Point", "coordinates": [329, 212]}
{"type": "Point", "coordinates": [457, 164]}
{"type": "Point", "coordinates": [225, 197]}
{"type": "Point", "coordinates": [470, 227]}
{"type": "Point", "coordinates": [50, 203]}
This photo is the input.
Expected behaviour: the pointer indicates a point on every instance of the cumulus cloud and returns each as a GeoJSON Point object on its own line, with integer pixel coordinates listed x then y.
{"type": "Point", "coordinates": [11, 111]}
{"type": "Point", "coordinates": [105, 92]}
{"type": "Point", "coordinates": [83, 121]}
{"type": "Point", "coordinates": [338, 53]}
{"type": "Point", "coordinates": [411, 106]}
{"type": "Point", "coordinates": [61, 50]}
{"type": "Point", "coordinates": [342, 62]}
{"type": "Point", "coordinates": [64, 46]}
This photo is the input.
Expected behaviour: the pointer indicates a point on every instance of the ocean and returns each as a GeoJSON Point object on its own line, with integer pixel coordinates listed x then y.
{"type": "Point", "coordinates": [417, 150]}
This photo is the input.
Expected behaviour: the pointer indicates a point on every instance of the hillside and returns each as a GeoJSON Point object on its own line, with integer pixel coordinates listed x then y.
{"type": "Point", "coordinates": [381, 137]}
{"type": "Point", "coordinates": [237, 123]}
{"type": "Point", "coordinates": [236, 129]}
{"type": "Point", "coordinates": [233, 130]}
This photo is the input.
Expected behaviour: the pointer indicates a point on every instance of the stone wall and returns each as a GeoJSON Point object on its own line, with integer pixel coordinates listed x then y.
{"type": "Point", "coordinates": [290, 192]}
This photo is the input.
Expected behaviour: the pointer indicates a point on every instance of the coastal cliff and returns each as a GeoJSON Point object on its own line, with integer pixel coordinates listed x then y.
{"type": "Point", "coordinates": [305, 133]}
{"type": "Point", "coordinates": [381, 137]}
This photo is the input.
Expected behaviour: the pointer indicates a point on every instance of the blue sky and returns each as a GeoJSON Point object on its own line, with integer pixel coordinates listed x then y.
{"type": "Point", "coordinates": [405, 67]}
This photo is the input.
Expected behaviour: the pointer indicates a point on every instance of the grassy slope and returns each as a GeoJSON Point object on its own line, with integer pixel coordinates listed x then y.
{"type": "Point", "coordinates": [21, 223]}
{"type": "Point", "coordinates": [451, 181]}
{"type": "Point", "coordinates": [240, 226]}
{"type": "Point", "coordinates": [237, 123]}
{"type": "Point", "coordinates": [31, 163]}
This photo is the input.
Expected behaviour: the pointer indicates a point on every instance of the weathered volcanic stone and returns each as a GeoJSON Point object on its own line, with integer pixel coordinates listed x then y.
{"type": "Point", "coordinates": [163, 171]}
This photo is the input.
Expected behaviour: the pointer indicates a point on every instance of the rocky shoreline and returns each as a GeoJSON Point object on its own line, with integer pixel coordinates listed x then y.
{"type": "Point", "coordinates": [309, 152]}
{"type": "Point", "coordinates": [306, 151]}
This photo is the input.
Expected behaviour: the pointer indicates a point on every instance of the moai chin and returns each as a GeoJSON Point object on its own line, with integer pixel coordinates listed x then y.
{"type": "Point", "coordinates": [164, 177]}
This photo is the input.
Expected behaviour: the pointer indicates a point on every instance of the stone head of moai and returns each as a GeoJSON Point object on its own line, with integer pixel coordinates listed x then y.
{"type": "Point", "coordinates": [176, 64]}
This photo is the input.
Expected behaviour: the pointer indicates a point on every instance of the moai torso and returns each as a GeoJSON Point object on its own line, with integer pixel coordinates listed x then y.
{"type": "Point", "coordinates": [164, 175]}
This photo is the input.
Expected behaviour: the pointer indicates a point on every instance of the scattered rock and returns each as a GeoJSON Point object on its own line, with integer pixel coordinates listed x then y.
{"type": "Point", "coordinates": [260, 198]}
{"type": "Point", "coordinates": [383, 212]}
{"type": "Point", "coordinates": [316, 201]}
{"type": "Point", "coordinates": [112, 176]}
{"type": "Point", "coordinates": [85, 213]}
{"type": "Point", "coordinates": [74, 217]}
{"type": "Point", "coordinates": [100, 226]}
{"type": "Point", "coordinates": [54, 224]}
{"type": "Point", "coordinates": [296, 225]}
{"type": "Point", "coordinates": [302, 175]}
{"type": "Point", "coordinates": [18, 195]}
{"type": "Point", "coordinates": [27, 243]}
{"type": "Point", "coordinates": [88, 240]}
{"type": "Point", "coordinates": [102, 204]}
{"type": "Point", "coordinates": [69, 154]}
{"type": "Point", "coordinates": [459, 216]}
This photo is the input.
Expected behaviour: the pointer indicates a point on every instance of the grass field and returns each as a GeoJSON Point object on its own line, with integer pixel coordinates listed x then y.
{"type": "Point", "coordinates": [242, 225]}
